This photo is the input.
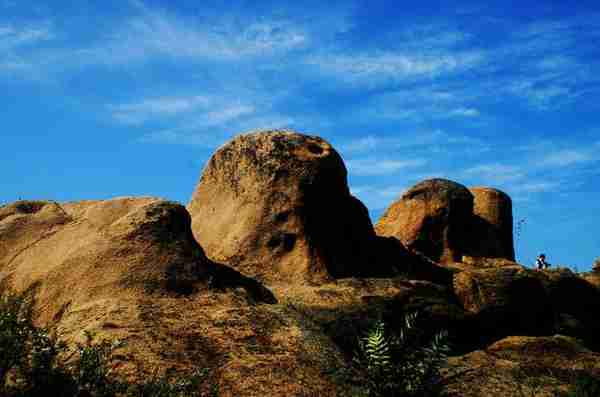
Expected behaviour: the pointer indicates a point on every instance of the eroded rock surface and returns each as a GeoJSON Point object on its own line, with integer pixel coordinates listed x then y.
{"type": "Point", "coordinates": [492, 230]}
{"type": "Point", "coordinates": [432, 217]}
{"type": "Point", "coordinates": [276, 205]}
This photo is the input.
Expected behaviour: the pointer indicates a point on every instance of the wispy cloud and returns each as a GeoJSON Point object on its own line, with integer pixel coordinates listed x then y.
{"type": "Point", "coordinates": [12, 38]}
{"type": "Point", "coordinates": [389, 67]}
{"type": "Point", "coordinates": [464, 112]}
{"type": "Point", "coordinates": [373, 166]}
{"type": "Point", "coordinates": [567, 157]}
{"type": "Point", "coordinates": [16, 43]}
{"type": "Point", "coordinates": [206, 132]}
{"type": "Point", "coordinates": [212, 128]}
{"type": "Point", "coordinates": [158, 33]}
{"type": "Point", "coordinates": [138, 112]}
{"type": "Point", "coordinates": [429, 139]}
{"type": "Point", "coordinates": [495, 173]}
{"type": "Point", "coordinates": [535, 187]}
{"type": "Point", "coordinates": [547, 58]}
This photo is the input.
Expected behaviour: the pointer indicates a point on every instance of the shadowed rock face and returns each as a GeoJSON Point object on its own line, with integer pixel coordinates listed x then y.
{"type": "Point", "coordinates": [504, 301]}
{"type": "Point", "coordinates": [432, 217]}
{"type": "Point", "coordinates": [492, 230]}
{"type": "Point", "coordinates": [276, 205]}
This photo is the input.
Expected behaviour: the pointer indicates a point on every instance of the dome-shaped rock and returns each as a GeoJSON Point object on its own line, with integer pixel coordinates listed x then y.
{"type": "Point", "coordinates": [432, 217]}
{"type": "Point", "coordinates": [492, 229]}
{"type": "Point", "coordinates": [276, 205]}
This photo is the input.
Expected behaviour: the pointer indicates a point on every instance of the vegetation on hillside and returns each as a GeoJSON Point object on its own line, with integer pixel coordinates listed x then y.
{"type": "Point", "coordinates": [402, 364]}
{"type": "Point", "coordinates": [35, 363]}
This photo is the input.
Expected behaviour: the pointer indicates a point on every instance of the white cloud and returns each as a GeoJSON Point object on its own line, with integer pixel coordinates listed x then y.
{"type": "Point", "coordinates": [158, 33]}
{"type": "Point", "coordinates": [494, 173]}
{"type": "Point", "coordinates": [18, 43]}
{"type": "Point", "coordinates": [138, 112]}
{"type": "Point", "coordinates": [372, 166]}
{"type": "Point", "coordinates": [423, 103]}
{"type": "Point", "coordinates": [464, 112]}
{"type": "Point", "coordinates": [535, 187]}
{"type": "Point", "coordinates": [432, 140]}
{"type": "Point", "coordinates": [370, 69]}
{"type": "Point", "coordinates": [221, 116]}
{"type": "Point", "coordinates": [566, 157]}
{"type": "Point", "coordinates": [12, 38]}
{"type": "Point", "coordinates": [542, 94]}
{"type": "Point", "coordinates": [214, 128]}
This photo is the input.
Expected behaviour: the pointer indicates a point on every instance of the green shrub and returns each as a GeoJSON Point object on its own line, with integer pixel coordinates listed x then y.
{"type": "Point", "coordinates": [584, 385]}
{"type": "Point", "coordinates": [402, 364]}
{"type": "Point", "coordinates": [33, 363]}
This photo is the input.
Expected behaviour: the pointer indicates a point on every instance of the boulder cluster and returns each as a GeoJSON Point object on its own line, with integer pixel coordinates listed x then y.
{"type": "Point", "coordinates": [272, 216]}
{"type": "Point", "coordinates": [275, 205]}
{"type": "Point", "coordinates": [447, 221]}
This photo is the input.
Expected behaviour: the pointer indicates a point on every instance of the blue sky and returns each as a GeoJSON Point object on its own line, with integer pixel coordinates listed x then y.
{"type": "Point", "coordinates": [112, 98]}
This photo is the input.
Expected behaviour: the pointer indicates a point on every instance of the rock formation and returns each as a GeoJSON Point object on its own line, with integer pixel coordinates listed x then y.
{"type": "Point", "coordinates": [503, 302]}
{"type": "Point", "coordinates": [276, 205]}
{"type": "Point", "coordinates": [432, 217]}
{"type": "Point", "coordinates": [79, 255]}
{"type": "Point", "coordinates": [521, 365]}
{"type": "Point", "coordinates": [492, 229]}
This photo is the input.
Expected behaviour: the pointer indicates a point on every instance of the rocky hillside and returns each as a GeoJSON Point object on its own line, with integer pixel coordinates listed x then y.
{"type": "Point", "coordinates": [273, 270]}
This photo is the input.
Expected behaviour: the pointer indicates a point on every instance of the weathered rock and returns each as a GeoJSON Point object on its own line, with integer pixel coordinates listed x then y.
{"type": "Point", "coordinates": [504, 301]}
{"type": "Point", "coordinates": [432, 217]}
{"type": "Point", "coordinates": [275, 205]}
{"type": "Point", "coordinates": [79, 253]}
{"type": "Point", "coordinates": [577, 304]}
{"type": "Point", "coordinates": [471, 262]}
{"type": "Point", "coordinates": [492, 229]}
{"type": "Point", "coordinates": [521, 365]}
{"type": "Point", "coordinates": [592, 277]}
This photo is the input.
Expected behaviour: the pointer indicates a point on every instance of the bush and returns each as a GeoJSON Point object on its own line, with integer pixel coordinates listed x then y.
{"type": "Point", "coordinates": [584, 385]}
{"type": "Point", "coordinates": [404, 364]}
{"type": "Point", "coordinates": [33, 363]}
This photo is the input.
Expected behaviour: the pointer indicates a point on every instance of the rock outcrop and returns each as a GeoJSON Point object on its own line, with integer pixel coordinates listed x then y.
{"type": "Point", "coordinates": [85, 254]}
{"type": "Point", "coordinates": [432, 217]}
{"type": "Point", "coordinates": [492, 229]}
{"type": "Point", "coordinates": [276, 205]}
{"type": "Point", "coordinates": [503, 302]}
{"type": "Point", "coordinates": [521, 365]}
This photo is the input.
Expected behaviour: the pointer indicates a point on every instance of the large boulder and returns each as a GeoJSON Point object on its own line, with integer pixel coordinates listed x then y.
{"type": "Point", "coordinates": [492, 229]}
{"type": "Point", "coordinates": [276, 205]}
{"type": "Point", "coordinates": [85, 254]}
{"type": "Point", "coordinates": [577, 304]}
{"type": "Point", "coordinates": [504, 301]}
{"type": "Point", "coordinates": [433, 217]}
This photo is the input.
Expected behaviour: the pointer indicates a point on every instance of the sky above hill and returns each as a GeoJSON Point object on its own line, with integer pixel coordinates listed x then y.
{"type": "Point", "coordinates": [113, 98]}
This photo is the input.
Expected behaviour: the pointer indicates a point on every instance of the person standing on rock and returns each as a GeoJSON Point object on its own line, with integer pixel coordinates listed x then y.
{"type": "Point", "coordinates": [541, 263]}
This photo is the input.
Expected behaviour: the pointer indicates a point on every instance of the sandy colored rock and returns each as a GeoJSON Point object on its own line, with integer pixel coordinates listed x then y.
{"type": "Point", "coordinates": [471, 262]}
{"type": "Point", "coordinates": [577, 304]}
{"type": "Point", "coordinates": [492, 231]}
{"type": "Point", "coordinates": [276, 205]}
{"type": "Point", "coordinates": [98, 254]}
{"type": "Point", "coordinates": [521, 366]}
{"type": "Point", "coordinates": [432, 217]}
{"type": "Point", "coordinates": [504, 301]}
